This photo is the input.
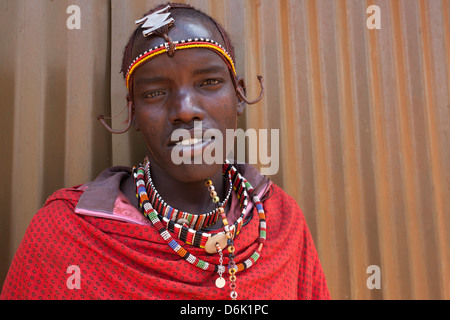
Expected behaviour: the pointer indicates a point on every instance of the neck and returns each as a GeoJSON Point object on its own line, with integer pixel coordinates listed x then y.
{"type": "Point", "coordinates": [192, 197]}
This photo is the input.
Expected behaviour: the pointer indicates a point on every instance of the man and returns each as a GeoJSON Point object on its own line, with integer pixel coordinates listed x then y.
{"type": "Point", "coordinates": [195, 230]}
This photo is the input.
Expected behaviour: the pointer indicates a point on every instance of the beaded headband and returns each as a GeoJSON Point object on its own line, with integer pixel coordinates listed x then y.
{"type": "Point", "coordinates": [180, 45]}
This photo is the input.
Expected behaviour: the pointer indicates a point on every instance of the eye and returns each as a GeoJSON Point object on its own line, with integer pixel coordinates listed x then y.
{"type": "Point", "coordinates": [154, 94]}
{"type": "Point", "coordinates": [211, 82]}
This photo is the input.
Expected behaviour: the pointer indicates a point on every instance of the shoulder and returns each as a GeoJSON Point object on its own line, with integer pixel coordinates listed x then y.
{"type": "Point", "coordinates": [283, 213]}
{"type": "Point", "coordinates": [107, 182]}
{"type": "Point", "coordinates": [59, 208]}
{"type": "Point", "coordinates": [278, 199]}
{"type": "Point", "coordinates": [69, 196]}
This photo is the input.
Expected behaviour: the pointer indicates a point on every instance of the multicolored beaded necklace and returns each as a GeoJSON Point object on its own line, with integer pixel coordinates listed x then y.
{"type": "Point", "coordinates": [205, 240]}
{"type": "Point", "coordinates": [233, 268]}
{"type": "Point", "coordinates": [194, 221]}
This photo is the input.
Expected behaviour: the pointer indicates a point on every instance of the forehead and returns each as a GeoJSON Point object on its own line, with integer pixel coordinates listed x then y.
{"type": "Point", "coordinates": [185, 27]}
{"type": "Point", "coordinates": [186, 63]}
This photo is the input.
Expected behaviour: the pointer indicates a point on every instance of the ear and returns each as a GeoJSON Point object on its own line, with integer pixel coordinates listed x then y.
{"type": "Point", "coordinates": [240, 87]}
{"type": "Point", "coordinates": [133, 117]}
{"type": "Point", "coordinates": [240, 91]}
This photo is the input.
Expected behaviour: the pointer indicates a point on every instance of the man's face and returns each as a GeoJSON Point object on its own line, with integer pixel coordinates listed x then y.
{"type": "Point", "coordinates": [171, 93]}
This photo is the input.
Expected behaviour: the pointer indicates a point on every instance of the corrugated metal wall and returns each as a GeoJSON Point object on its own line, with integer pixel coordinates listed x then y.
{"type": "Point", "coordinates": [364, 120]}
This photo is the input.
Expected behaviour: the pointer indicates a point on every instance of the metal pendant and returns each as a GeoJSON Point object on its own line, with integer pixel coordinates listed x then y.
{"type": "Point", "coordinates": [220, 282]}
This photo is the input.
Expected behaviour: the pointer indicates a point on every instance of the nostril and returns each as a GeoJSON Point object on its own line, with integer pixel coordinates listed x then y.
{"type": "Point", "coordinates": [187, 117]}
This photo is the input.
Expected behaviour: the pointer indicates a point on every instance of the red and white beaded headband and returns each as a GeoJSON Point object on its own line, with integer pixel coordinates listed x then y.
{"type": "Point", "coordinates": [179, 45]}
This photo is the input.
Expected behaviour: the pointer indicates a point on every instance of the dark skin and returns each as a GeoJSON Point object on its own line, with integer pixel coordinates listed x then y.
{"type": "Point", "coordinates": [171, 93]}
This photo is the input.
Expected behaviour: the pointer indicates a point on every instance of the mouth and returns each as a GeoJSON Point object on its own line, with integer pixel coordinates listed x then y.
{"type": "Point", "coordinates": [193, 142]}
{"type": "Point", "coordinates": [192, 146]}
{"type": "Point", "coordinates": [189, 151]}
{"type": "Point", "coordinates": [189, 138]}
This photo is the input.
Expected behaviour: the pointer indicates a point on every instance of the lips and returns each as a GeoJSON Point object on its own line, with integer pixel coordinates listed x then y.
{"type": "Point", "coordinates": [188, 138]}
{"type": "Point", "coordinates": [191, 143]}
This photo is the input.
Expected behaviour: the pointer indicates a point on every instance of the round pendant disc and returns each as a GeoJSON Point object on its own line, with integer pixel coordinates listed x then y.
{"type": "Point", "coordinates": [220, 282]}
{"type": "Point", "coordinates": [220, 238]}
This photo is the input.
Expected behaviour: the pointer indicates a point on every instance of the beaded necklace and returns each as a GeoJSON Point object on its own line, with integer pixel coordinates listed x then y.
{"type": "Point", "coordinates": [233, 268]}
{"type": "Point", "coordinates": [205, 240]}
{"type": "Point", "coordinates": [193, 221]}
{"type": "Point", "coordinates": [220, 282]}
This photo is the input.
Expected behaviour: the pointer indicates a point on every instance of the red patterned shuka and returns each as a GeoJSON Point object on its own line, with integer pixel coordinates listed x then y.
{"type": "Point", "coordinates": [76, 249]}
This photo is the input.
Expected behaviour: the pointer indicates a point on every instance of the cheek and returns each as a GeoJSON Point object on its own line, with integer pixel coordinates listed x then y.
{"type": "Point", "coordinates": [229, 114]}
{"type": "Point", "coordinates": [147, 123]}
{"type": "Point", "coordinates": [152, 129]}
{"type": "Point", "coordinates": [227, 110]}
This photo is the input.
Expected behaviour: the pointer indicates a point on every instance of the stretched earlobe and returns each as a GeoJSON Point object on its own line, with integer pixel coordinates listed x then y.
{"type": "Point", "coordinates": [130, 119]}
{"type": "Point", "coordinates": [240, 84]}
{"type": "Point", "coordinates": [240, 90]}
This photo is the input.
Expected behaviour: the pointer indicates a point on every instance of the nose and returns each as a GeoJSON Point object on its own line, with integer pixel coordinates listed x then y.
{"type": "Point", "coordinates": [186, 108]}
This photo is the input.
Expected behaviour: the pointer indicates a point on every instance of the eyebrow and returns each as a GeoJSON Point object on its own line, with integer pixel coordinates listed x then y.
{"type": "Point", "coordinates": [151, 80]}
{"type": "Point", "coordinates": [196, 72]}
{"type": "Point", "coordinates": [211, 69]}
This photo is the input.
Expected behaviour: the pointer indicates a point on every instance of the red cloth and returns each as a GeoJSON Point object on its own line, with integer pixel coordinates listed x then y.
{"type": "Point", "coordinates": [120, 260]}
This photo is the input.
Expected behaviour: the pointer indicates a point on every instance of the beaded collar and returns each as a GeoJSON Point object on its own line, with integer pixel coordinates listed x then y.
{"type": "Point", "coordinates": [194, 221]}
{"type": "Point", "coordinates": [206, 240]}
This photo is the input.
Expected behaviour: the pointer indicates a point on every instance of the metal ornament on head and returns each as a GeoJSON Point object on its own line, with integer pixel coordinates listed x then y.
{"type": "Point", "coordinates": [155, 21]}
{"type": "Point", "coordinates": [158, 23]}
